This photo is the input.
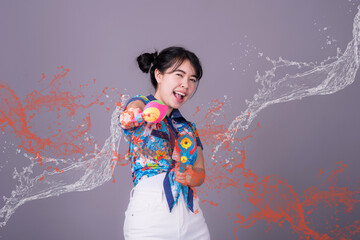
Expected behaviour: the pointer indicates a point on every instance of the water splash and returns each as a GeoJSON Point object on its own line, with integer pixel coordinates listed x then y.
{"type": "Point", "coordinates": [310, 80]}
{"type": "Point", "coordinates": [48, 176]}
{"type": "Point", "coordinates": [276, 200]}
{"type": "Point", "coordinates": [271, 198]}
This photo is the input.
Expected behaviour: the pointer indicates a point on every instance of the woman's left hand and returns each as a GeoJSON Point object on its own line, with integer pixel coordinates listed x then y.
{"type": "Point", "coordinates": [185, 178]}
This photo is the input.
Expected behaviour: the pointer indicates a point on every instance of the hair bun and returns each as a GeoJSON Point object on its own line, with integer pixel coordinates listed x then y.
{"type": "Point", "coordinates": [145, 60]}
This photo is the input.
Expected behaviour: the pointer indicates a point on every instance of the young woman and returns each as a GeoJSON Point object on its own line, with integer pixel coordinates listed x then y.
{"type": "Point", "coordinates": [162, 203]}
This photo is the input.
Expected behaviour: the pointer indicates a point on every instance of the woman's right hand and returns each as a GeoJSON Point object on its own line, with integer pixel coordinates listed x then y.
{"type": "Point", "coordinates": [127, 116]}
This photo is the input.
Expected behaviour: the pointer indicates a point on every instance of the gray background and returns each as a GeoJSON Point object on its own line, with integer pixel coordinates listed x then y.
{"type": "Point", "coordinates": [101, 39]}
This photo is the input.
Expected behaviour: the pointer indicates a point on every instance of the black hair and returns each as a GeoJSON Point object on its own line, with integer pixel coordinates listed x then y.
{"type": "Point", "coordinates": [171, 56]}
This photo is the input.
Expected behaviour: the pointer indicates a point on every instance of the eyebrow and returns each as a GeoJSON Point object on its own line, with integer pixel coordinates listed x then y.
{"type": "Point", "coordinates": [182, 71]}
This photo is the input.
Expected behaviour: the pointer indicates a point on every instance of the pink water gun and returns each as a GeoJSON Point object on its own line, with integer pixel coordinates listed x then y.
{"type": "Point", "coordinates": [154, 112]}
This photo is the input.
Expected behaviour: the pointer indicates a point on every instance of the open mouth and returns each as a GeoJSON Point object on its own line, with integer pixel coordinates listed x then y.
{"type": "Point", "coordinates": [179, 96]}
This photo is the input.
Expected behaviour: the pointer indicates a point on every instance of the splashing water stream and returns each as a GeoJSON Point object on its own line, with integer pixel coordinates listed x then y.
{"type": "Point", "coordinates": [322, 79]}
{"type": "Point", "coordinates": [57, 176]}
{"type": "Point", "coordinates": [94, 169]}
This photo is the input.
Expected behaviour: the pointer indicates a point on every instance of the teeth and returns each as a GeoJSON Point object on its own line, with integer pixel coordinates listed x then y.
{"type": "Point", "coordinates": [182, 94]}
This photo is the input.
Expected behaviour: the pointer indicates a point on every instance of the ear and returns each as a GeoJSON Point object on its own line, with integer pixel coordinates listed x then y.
{"type": "Point", "coordinates": [158, 76]}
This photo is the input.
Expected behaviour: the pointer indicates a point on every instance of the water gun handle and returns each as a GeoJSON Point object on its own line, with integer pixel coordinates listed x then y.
{"type": "Point", "coordinates": [186, 147]}
{"type": "Point", "coordinates": [184, 161]}
{"type": "Point", "coordinates": [154, 112]}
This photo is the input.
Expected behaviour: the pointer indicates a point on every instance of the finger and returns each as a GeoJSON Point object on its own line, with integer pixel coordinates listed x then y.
{"type": "Point", "coordinates": [181, 181]}
{"type": "Point", "coordinates": [124, 124]}
{"type": "Point", "coordinates": [180, 174]}
{"type": "Point", "coordinates": [188, 168]}
{"type": "Point", "coordinates": [124, 119]}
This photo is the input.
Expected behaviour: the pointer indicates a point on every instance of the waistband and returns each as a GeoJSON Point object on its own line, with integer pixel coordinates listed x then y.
{"type": "Point", "coordinates": [154, 182]}
{"type": "Point", "coordinates": [151, 185]}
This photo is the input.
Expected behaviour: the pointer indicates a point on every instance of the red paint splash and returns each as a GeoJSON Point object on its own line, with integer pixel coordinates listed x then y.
{"type": "Point", "coordinates": [277, 202]}
{"type": "Point", "coordinates": [274, 199]}
{"type": "Point", "coordinates": [55, 105]}
{"type": "Point", "coordinates": [211, 203]}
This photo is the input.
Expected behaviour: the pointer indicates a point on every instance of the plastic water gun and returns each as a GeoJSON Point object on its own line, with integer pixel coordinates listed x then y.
{"type": "Point", "coordinates": [186, 148]}
{"type": "Point", "coordinates": [154, 112]}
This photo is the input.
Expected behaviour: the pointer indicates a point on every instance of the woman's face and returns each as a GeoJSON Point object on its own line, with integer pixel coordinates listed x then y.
{"type": "Point", "coordinates": [175, 87]}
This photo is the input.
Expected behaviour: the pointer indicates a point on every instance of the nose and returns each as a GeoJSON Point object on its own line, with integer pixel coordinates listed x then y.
{"type": "Point", "coordinates": [184, 83]}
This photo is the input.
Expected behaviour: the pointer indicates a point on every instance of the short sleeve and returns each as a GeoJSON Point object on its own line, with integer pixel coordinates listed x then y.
{"type": "Point", "coordinates": [197, 137]}
{"type": "Point", "coordinates": [142, 98]}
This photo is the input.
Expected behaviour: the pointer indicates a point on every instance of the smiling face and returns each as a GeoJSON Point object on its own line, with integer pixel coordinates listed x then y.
{"type": "Point", "coordinates": [176, 86]}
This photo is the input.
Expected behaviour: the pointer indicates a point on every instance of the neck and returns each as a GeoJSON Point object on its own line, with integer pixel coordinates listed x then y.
{"type": "Point", "coordinates": [168, 113]}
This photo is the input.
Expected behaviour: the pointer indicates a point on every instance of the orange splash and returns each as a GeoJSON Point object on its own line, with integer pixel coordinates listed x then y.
{"type": "Point", "coordinates": [62, 140]}
{"type": "Point", "coordinates": [275, 200]}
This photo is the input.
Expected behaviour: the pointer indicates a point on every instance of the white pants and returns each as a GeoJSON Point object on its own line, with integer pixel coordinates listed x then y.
{"type": "Point", "coordinates": [148, 216]}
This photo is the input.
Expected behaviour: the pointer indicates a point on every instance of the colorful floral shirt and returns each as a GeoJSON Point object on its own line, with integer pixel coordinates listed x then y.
{"type": "Point", "coordinates": [151, 147]}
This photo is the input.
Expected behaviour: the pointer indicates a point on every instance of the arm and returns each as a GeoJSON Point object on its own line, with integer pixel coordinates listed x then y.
{"type": "Point", "coordinates": [194, 175]}
{"type": "Point", "coordinates": [136, 104]}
